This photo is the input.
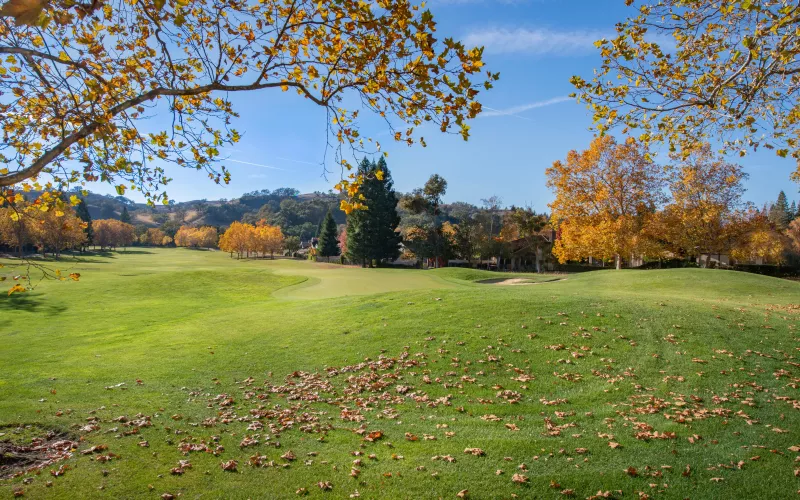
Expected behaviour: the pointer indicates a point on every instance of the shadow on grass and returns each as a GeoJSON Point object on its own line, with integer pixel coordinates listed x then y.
{"type": "Point", "coordinates": [29, 303]}
{"type": "Point", "coordinates": [111, 254]}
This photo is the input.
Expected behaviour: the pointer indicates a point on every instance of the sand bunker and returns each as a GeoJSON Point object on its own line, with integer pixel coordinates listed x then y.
{"type": "Point", "coordinates": [516, 281]}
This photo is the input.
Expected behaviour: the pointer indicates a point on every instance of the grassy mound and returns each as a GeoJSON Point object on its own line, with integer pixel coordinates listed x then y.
{"type": "Point", "coordinates": [674, 383]}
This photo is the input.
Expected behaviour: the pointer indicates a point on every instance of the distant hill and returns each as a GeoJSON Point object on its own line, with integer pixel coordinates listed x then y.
{"type": "Point", "coordinates": [298, 214]}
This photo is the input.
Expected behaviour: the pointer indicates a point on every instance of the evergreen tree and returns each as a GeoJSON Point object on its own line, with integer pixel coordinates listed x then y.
{"type": "Point", "coordinates": [779, 212]}
{"type": "Point", "coordinates": [82, 211]}
{"type": "Point", "coordinates": [328, 245]}
{"type": "Point", "coordinates": [125, 216]}
{"type": "Point", "coordinates": [358, 225]}
{"type": "Point", "coordinates": [371, 234]}
{"type": "Point", "coordinates": [793, 212]}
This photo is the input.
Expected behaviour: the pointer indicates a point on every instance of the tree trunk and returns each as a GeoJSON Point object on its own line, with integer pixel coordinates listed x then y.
{"type": "Point", "coordinates": [618, 262]}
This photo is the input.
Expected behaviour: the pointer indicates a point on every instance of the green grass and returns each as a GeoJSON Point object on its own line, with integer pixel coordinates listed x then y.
{"type": "Point", "coordinates": [194, 325]}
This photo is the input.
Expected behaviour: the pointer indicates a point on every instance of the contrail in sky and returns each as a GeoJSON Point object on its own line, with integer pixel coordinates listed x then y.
{"type": "Point", "coordinates": [255, 164]}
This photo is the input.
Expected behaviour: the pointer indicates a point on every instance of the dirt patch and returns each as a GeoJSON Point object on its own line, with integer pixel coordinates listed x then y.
{"type": "Point", "coordinates": [516, 281]}
{"type": "Point", "coordinates": [18, 458]}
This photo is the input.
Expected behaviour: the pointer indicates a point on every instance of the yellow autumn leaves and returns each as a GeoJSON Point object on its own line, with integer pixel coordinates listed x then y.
{"type": "Point", "coordinates": [614, 202]}
{"type": "Point", "coordinates": [387, 59]}
{"type": "Point", "coordinates": [244, 239]}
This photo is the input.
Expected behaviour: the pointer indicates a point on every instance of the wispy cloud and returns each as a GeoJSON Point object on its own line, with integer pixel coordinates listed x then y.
{"type": "Point", "coordinates": [515, 110]}
{"type": "Point", "coordinates": [537, 41]}
{"type": "Point", "coordinates": [299, 161]}
{"type": "Point", "coordinates": [255, 164]}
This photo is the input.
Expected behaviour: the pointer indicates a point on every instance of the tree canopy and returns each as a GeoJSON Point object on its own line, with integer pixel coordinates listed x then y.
{"type": "Point", "coordinates": [79, 80]}
{"type": "Point", "coordinates": [686, 71]}
{"type": "Point", "coordinates": [603, 195]}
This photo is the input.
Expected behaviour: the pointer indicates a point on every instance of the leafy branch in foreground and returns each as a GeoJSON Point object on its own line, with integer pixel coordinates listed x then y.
{"type": "Point", "coordinates": [78, 81]}
{"type": "Point", "coordinates": [684, 71]}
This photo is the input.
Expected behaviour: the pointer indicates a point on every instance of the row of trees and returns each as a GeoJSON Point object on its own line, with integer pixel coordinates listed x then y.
{"type": "Point", "coordinates": [112, 233]}
{"type": "Point", "coordinates": [155, 237]}
{"type": "Point", "coordinates": [196, 237]}
{"type": "Point", "coordinates": [613, 202]}
{"type": "Point", "coordinates": [53, 230]}
{"type": "Point", "coordinates": [427, 228]}
{"type": "Point", "coordinates": [260, 239]}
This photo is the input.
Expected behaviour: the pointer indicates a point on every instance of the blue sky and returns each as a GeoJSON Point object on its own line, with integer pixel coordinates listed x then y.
{"type": "Point", "coordinates": [529, 122]}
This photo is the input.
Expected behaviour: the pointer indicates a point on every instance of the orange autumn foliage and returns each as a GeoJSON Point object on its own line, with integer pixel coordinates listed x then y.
{"type": "Point", "coordinates": [111, 233]}
{"type": "Point", "coordinates": [197, 237]}
{"type": "Point", "coordinates": [244, 239]}
{"type": "Point", "coordinates": [605, 196]}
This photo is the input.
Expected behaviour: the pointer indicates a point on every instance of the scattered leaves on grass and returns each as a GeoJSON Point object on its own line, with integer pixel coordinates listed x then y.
{"type": "Point", "coordinates": [520, 479]}
{"type": "Point", "coordinates": [229, 466]}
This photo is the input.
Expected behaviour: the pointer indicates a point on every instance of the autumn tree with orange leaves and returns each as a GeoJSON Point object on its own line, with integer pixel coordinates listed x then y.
{"type": "Point", "coordinates": [111, 233]}
{"type": "Point", "coordinates": [706, 192]}
{"type": "Point", "coordinates": [154, 237]}
{"type": "Point", "coordinates": [49, 230]}
{"type": "Point", "coordinates": [55, 232]}
{"type": "Point", "coordinates": [244, 239]}
{"type": "Point", "coordinates": [237, 239]}
{"type": "Point", "coordinates": [81, 78]}
{"type": "Point", "coordinates": [197, 237]}
{"type": "Point", "coordinates": [267, 239]}
{"type": "Point", "coordinates": [754, 238]}
{"type": "Point", "coordinates": [605, 196]}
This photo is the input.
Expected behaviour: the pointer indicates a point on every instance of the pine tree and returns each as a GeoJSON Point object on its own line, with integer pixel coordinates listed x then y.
{"type": "Point", "coordinates": [328, 245]}
{"type": "Point", "coordinates": [779, 212]}
{"type": "Point", "coordinates": [793, 212]}
{"type": "Point", "coordinates": [125, 216]}
{"type": "Point", "coordinates": [82, 211]}
{"type": "Point", "coordinates": [371, 234]}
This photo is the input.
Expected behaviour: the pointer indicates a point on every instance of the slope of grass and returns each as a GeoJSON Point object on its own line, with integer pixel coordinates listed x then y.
{"type": "Point", "coordinates": [324, 281]}
{"type": "Point", "coordinates": [602, 369]}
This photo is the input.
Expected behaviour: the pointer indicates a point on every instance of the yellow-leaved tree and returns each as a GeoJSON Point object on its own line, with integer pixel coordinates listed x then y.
{"type": "Point", "coordinates": [80, 78]}
{"type": "Point", "coordinates": [197, 237]}
{"type": "Point", "coordinates": [706, 199]}
{"type": "Point", "coordinates": [757, 241]}
{"type": "Point", "coordinates": [238, 238]}
{"type": "Point", "coordinates": [605, 197]}
{"type": "Point", "coordinates": [154, 237]}
{"type": "Point", "coordinates": [111, 233]}
{"type": "Point", "coordinates": [268, 239]}
{"type": "Point", "coordinates": [683, 71]}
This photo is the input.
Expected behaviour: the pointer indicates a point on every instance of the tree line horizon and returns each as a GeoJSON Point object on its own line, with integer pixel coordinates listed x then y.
{"type": "Point", "coordinates": [729, 76]}
{"type": "Point", "coordinates": [612, 201]}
